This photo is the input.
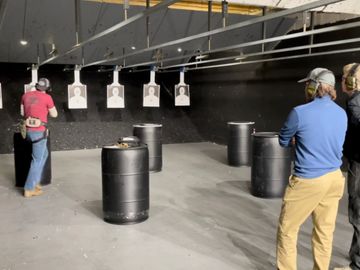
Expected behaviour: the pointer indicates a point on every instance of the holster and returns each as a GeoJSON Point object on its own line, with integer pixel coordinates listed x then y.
{"type": "Point", "coordinates": [32, 122]}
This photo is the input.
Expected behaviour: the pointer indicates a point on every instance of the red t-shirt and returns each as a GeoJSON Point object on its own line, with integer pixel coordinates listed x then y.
{"type": "Point", "coordinates": [37, 104]}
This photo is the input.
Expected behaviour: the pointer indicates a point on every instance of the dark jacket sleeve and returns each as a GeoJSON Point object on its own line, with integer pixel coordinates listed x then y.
{"type": "Point", "coordinates": [354, 108]}
{"type": "Point", "coordinates": [289, 129]}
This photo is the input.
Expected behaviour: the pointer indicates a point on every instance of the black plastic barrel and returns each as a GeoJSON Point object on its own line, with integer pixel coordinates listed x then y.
{"type": "Point", "coordinates": [271, 166]}
{"type": "Point", "coordinates": [239, 143]}
{"type": "Point", "coordinates": [150, 134]}
{"type": "Point", "coordinates": [22, 158]}
{"type": "Point", "coordinates": [125, 184]}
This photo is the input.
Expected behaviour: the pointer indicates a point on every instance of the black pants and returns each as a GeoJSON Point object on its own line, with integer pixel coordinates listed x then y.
{"type": "Point", "coordinates": [354, 212]}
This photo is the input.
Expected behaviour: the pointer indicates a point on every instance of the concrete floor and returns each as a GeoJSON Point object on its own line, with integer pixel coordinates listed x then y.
{"type": "Point", "coordinates": [202, 216]}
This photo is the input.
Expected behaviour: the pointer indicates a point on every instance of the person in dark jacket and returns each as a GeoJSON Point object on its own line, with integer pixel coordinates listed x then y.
{"type": "Point", "coordinates": [351, 85]}
{"type": "Point", "coordinates": [317, 184]}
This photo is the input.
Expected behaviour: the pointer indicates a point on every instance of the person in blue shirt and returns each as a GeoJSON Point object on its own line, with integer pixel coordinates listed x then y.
{"type": "Point", "coordinates": [317, 131]}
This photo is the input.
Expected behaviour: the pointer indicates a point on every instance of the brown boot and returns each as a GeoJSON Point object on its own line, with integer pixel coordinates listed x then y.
{"type": "Point", "coordinates": [30, 193]}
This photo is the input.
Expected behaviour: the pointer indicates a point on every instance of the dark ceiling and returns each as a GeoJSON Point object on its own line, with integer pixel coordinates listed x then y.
{"type": "Point", "coordinates": [49, 24]}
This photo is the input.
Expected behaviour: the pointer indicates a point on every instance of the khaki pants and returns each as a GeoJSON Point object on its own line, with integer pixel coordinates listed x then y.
{"type": "Point", "coordinates": [320, 198]}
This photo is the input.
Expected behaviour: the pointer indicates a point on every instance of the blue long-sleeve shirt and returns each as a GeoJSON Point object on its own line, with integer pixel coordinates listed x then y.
{"type": "Point", "coordinates": [319, 128]}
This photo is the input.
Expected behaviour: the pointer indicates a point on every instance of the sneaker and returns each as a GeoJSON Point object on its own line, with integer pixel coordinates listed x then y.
{"type": "Point", "coordinates": [38, 187]}
{"type": "Point", "coordinates": [343, 268]}
{"type": "Point", "coordinates": [30, 193]}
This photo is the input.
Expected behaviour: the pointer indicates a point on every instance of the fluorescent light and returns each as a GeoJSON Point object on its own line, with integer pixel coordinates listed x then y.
{"type": "Point", "coordinates": [23, 42]}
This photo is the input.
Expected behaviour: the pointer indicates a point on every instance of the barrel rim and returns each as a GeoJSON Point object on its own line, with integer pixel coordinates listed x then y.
{"type": "Point", "coordinates": [144, 125]}
{"type": "Point", "coordinates": [114, 147]}
{"type": "Point", "coordinates": [266, 134]}
{"type": "Point", "coordinates": [240, 123]}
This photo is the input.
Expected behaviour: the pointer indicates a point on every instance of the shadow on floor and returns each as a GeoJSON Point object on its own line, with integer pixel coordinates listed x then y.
{"type": "Point", "coordinates": [10, 179]}
{"type": "Point", "coordinates": [217, 155]}
{"type": "Point", "coordinates": [229, 209]}
{"type": "Point", "coordinates": [259, 259]}
{"type": "Point", "coordinates": [94, 207]}
{"type": "Point", "coordinates": [244, 186]}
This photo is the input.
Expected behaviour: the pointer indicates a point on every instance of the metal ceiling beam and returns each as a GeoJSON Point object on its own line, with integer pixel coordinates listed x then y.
{"type": "Point", "coordinates": [116, 27]}
{"type": "Point", "coordinates": [263, 60]}
{"type": "Point", "coordinates": [297, 48]}
{"type": "Point", "coordinates": [258, 42]}
{"type": "Point", "coordinates": [291, 49]}
{"type": "Point", "coordinates": [249, 22]}
{"type": "Point", "coordinates": [280, 58]}
{"type": "Point", "coordinates": [290, 36]}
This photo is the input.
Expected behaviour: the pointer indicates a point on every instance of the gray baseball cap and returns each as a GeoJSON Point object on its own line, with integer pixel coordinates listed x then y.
{"type": "Point", "coordinates": [320, 75]}
{"type": "Point", "coordinates": [43, 85]}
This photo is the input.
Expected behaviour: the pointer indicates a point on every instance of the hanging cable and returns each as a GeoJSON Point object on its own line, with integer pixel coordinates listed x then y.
{"type": "Point", "coordinates": [23, 41]}
{"type": "Point", "coordinates": [312, 26]}
{"type": "Point", "coordinates": [264, 25]}
{"type": "Point", "coordinates": [209, 22]}
{"type": "Point", "coordinates": [224, 11]}
{"type": "Point", "coordinates": [147, 25]}
{"type": "Point", "coordinates": [77, 21]}
{"type": "Point", "coordinates": [126, 8]}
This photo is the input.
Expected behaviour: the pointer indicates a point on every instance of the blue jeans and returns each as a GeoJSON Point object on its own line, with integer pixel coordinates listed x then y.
{"type": "Point", "coordinates": [39, 156]}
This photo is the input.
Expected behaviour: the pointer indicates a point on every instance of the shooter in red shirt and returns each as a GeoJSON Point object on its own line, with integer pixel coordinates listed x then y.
{"type": "Point", "coordinates": [35, 107]}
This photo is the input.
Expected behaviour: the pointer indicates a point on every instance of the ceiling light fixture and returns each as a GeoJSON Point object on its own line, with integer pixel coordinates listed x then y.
{"type": "Point", "coordinates": [53, 50]}
{"type": "Point", "coordinates": [201, 56]}
{"type": "Point", "coordinates": [23, 42]}
{"type": "Point", "coordinates": [133, 47]}
{"type": "Point", "coordinates": [240, 57]}
{"type": "Point", "coordinates": [179, 49]}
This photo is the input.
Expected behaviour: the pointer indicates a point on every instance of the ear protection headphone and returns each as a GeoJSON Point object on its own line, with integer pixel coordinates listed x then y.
{"type": "Point", "coordinates": [312, 87]}
{"type": "Point", "coordinates": [350, 80]}
{"type": "Point", "coordinates": [314, 84]}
